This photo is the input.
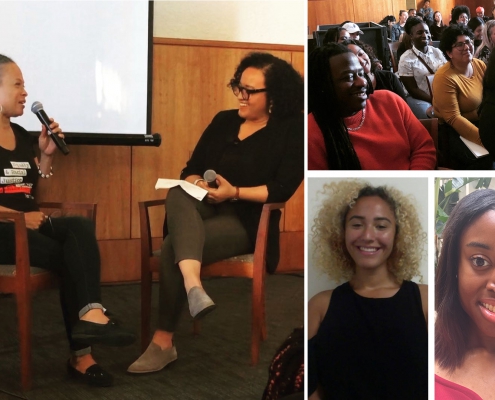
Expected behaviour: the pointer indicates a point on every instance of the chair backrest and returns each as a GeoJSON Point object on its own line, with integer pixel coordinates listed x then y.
{"type": "Point", "coordinates": [393, 46]}
{"type": "Point", "coordinates": [431, 125]}
{"type": "Point", "coordinates": [318, 37]}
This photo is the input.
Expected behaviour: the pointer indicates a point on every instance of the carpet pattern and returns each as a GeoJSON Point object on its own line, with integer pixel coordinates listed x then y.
{"type": "Point", "coordinates": [212, 365]}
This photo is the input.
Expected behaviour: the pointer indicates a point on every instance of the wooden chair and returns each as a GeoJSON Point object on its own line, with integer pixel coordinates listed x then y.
{"type": "Point", "coordinates": [23, 280]}
{"type": "Point", "coordinates": [247, 266]}
{"type": "Point", "coordinates": [393, 46]}
{"type": "Point", "coordinates": [431, 125]}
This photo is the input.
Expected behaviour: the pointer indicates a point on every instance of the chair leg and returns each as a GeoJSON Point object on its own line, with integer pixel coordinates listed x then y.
{"type": "Point", "coordinates": [24, 311]}
{"type": "Point", "coordinates": [257, 320]}
{"type": "Point", "coordinates": [145, 309]}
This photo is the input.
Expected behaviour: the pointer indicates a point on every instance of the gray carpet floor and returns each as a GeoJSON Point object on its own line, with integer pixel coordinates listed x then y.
{"type": "Point", "coordinates": [212, 365]}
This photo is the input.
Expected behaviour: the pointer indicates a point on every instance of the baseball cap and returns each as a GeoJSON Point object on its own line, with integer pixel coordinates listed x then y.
{"type": "Point", "coordinates": [351, 27]}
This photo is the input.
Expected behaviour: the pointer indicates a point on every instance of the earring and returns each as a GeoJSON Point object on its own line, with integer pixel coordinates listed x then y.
{"type": "Point", "coordinates": [270, 108]}
{"type": "Point", "coordinates": [1, 108]}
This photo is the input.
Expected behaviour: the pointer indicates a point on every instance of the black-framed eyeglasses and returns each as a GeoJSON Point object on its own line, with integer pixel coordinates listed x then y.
{"type": "Point", "coordinates": [460, 45]}
{"type": "Point", "coordinates": [245, 92]}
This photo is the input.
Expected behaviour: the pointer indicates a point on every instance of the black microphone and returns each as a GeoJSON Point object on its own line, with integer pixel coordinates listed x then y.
{"type": "Point", "coordinates": [37, 108]}
{"type": "Point", "coordinates": [210, 177]}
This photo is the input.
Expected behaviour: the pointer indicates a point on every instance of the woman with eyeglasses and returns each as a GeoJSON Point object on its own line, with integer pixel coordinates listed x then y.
{"type": "Point", "coordinates": [457, 94]}
{"type": "Point", "coordinates": [257, 152]}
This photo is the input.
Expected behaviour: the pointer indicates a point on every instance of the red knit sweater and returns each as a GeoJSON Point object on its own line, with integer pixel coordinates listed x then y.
{"type": "Point", "coordinates": [391, 137]}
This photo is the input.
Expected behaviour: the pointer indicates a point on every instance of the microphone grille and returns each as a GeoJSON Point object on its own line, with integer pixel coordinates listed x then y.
{"type": "Point", "coordinates": [37, 106]}
{"type": "Point", "coordinates": [210, 175]}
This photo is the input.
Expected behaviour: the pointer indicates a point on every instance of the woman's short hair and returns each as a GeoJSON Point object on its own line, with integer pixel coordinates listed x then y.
{"type": "Point", "coordinates": [449, 37]}
{"type": "Point", "coordinates": [285, 86]}
{"type": "Point", "coordinates": [333, 35]}
{"type": "Point", "coordinates": [458, 10]}
{"type": "Point", "coordinates": [451, 335]}
{"type": "Point", "coordinates": [331, 255]}
{"type": "Point", "coordinates": [475, 22]}
{"type": "Point", "coordinates": [412, 21]}
{"type": "Point", "coordinates": [4, 60]}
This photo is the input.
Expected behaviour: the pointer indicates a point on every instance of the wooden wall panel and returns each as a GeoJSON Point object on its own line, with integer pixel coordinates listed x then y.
{"type": "Point", "coordinates": [99, 174]}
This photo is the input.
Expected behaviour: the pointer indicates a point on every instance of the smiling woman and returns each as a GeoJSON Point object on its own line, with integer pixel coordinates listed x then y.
{"type": "Point", "coordinates": [368, 336]}
{"type": "Point", "coordinates": [353, 127]}
{"type": "Point", "coordinates": [465, 300]}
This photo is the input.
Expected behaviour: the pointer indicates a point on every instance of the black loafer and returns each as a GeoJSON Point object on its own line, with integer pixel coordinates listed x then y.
{"type": "Point", "coordinates": [94, 375]}
{"type": "Point", "coordinates": [110, 334]}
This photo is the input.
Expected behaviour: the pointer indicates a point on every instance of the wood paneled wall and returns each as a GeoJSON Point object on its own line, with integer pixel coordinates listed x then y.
{"type": "Point", "coordinates": [189, 87]}
{"type": "Point", "coordinates": [322, 12]}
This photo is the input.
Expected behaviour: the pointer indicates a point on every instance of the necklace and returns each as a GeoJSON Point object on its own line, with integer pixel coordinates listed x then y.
{"type": "Point", "coordinates": [362, 120]}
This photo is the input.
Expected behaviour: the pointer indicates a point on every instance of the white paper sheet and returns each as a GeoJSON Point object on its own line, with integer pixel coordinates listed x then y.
{"type": "Point", "coordinates": [476, 149]}
{"type": "Point", "coordinates": [193, 190]}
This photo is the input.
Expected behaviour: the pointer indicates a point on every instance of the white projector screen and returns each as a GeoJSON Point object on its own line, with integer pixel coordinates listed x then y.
{"type": "Point", "coordinates": [87, 62]}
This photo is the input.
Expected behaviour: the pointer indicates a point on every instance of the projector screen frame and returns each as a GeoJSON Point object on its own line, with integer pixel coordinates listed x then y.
{"type": "Point", "coordinates": [124, 139]}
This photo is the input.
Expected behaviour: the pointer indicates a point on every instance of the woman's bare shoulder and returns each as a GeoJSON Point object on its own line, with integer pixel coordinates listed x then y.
{"type": "Point", "coordinates": [317, 308]}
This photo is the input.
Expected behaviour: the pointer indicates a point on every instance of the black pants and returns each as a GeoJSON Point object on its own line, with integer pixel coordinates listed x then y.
{"type": "Point", "coordinates": [197, 231]}
{"type": "Point", "coordinates": [68, 247]}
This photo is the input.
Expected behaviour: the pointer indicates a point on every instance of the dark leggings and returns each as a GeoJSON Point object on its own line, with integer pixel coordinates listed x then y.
{"type": "Point", "coordinates": [68, 247]}
{"type": "Point", "coordinates": [197, 231]}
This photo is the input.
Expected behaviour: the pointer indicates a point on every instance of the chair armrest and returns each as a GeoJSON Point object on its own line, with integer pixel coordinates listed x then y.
{"type": "Point", "coordinates": [262, 235]}
{"type": "Point", "coordinates": [21, 243]}
{"type": "Point", "coordinates": [87, 210]}
{"type": "Point", "coordinates": [144, 225]}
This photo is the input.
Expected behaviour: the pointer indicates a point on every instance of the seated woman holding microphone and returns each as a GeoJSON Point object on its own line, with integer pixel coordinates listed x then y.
{"type": "Point", "coordinates": [64, 245]}
{"type": "Point", "coordinates": [257, 152]}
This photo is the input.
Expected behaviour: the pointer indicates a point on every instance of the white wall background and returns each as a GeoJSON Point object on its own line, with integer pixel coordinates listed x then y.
{"type": "Point", "coordinates": [269, 21]}
{"type": "Point", "coordinates": [418, 187]}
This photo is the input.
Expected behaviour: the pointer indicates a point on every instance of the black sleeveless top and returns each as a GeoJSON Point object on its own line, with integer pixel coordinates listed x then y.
{"type": "Point", "coordinates": [370, 348]}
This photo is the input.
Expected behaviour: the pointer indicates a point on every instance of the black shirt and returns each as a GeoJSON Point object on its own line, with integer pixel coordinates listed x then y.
{"type": "Point", "coordinates": [18, 173]}
{"type": "Point", "coordinates": [272, 156]}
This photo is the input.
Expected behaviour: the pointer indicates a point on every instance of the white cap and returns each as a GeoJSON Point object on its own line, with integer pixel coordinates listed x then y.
{"type": "Point", "coordinates": [351, 27]}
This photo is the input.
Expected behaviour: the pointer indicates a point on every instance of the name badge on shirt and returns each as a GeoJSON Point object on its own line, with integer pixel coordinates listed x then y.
{"type": "Point", "coordinates": [24, 165]}
{"type": "Point", "coordinates": [5, 181]}
{"type": "Point", "coordinates": [15, 172]}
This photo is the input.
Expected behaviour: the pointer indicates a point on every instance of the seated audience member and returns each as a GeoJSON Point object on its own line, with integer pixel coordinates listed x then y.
{"type": "Point", "coordinates": [460, 15]}
{"type": "Point", "coordinates": [353, 30]}
{"type": "Point", "coordinates": [427, 12]}
{"type": "Point", "coordinates": [457, 93]}
{"type": "Point", "coordinates": [398, 29]}
{"type": "Point", "coordinates": [480, 12]}
{"type": "Point", "coordinates": [476, 25]}
{"type": "Point", "coordinates": [437, 26]}
{"type": "Point", "coordinates": [487, 42]}
{"type": "Point", "coordinates": [368, 337]}
{"type": "Point", "coordinates": [388, 21]}
{"type": "Point", "coordinates": [419, 14]}
{"type": "Point", "coordinates": [381, 80]}
{"type": "Point", "coordinates": [411, 12]}
{"type": "Point", "coordinates": [336, 35]}
{"type": "Point", "coordinates": [405, 44]}
{"type": "Point", "coordinates": [257, 151]}
{"type": "Point", "coordinates": [487, 107]}
{"type": "Point", "coordinates": [418, 62]}
{"type": "Point", "coordinates": [464, 285]}
{"type": "Point", "coordinates": [351, 128]}
{"type": "Point", "coordinates": [65, 245]}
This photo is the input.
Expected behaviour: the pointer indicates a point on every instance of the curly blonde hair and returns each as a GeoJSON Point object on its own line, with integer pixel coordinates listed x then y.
{"type": "Point", "coordinates": [331, 255]}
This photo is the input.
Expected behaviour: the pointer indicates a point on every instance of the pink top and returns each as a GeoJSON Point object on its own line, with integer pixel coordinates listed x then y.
{"type": "Point", "coordinates": [447, 390]}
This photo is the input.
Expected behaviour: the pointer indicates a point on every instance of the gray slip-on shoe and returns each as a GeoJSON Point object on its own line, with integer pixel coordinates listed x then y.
{"type": "Point", "coordinates": [153, 359]}
{"type": "Point", "coordinates": [200, 303]}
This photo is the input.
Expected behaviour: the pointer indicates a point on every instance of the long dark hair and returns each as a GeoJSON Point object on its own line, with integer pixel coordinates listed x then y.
{"type": "Point", "coordinates": [322, 102]}
{"type": "Point", "coordinates": [451, 333]}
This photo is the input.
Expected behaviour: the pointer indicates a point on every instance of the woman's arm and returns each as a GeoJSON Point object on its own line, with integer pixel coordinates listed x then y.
{"type": "Point", "coordinates": [317, 308]}
{"type": "Point", "coordinates": [446, 106]}
{"type": "Point", "coordinates": [413, 89]}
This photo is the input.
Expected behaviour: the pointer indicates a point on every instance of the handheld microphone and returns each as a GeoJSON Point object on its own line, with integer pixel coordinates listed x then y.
{"type": "Point", "coordinates": [210, 177]}
{"type": "Point", "coordinates": [37, 108]}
